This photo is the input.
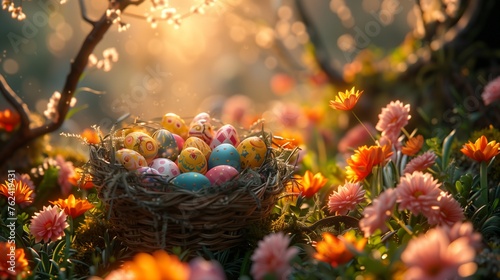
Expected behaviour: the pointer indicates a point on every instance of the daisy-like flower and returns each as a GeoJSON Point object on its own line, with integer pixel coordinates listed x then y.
{"type": "Point", "coordinates": [48, 224]}
{"type": "Point", "coordinates": [360, 164]}
{"type": "Point", "coordinates": [9, 120]}
{"type": "Point", "coordinates": [66, 175]}
{"type": "Point", "coordinates": [418, 193]}
{"type": "Point", "coordinates": [376, 214]}
{"type": "Point", "coordinates": [201, 269]}
{"type": "Point", "coordinates": [86, 183]}
{"type": "Point", "coordinates": [23, 194]}
{"type": "Point", "coordinates": [72, 206]}
{"type": "Point", "coordinates": [346, 198]}
{"type": "Point", "coordinates": [338, 250]}
{"type": "Point", "coordinates": [481, 150]}
{"type": "Point", "coordinates": [491, 92]}
{"type": "Point", "coordinates": [413, 145]}
{"type": "Point", "coordinates": [392, 119]}
{"type": "Point", "coordinates": [420, 163]}
{"type": "Point", "coordinates": [435, 256]}
{"type": "Point", "coordinates": [345, 101]}
{"type": "Point", "coordinates": [157, 266]}
{"type": "Point", "coordinates": [311, 183]}
{"type": "Point", "coordinates": [465, 230]}
{"type": "Point", "coordinates": [8, 257]}
{"type": "Point", "coordinates": [448, 213]}
{"type": "Point", "coordinates": [272, 257]}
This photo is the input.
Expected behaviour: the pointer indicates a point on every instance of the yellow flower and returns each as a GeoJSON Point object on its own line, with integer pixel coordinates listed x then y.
{"type": "Point", "coordinates": [311, 183]}
{"type": "Point", "coordinates": [481, 150]}
{"type": "Point", "coordinates": [413, 145]}
{"type": "Point", "coordinates": [22, 193]}
{"type": "Point", "coordinates": [73, 207]}
{"type": "Point", "coordinates": [345, 101]}
{"type": "Point", "coordinates": [338, 250]}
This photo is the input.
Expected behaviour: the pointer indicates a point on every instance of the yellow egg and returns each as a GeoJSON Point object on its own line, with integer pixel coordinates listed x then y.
{"type": "Point", "coordinates": [252, 152]}
{"type": "Point", "coordinates": [142, 143]}
{"type": "Point", "coordinates": [199, 144]}
{"type": "Point", "coordinates": [175, 124]}
{"type": "Point", "coordinates": [192, 160]}
{"type": "Point", "coordinates": [130, 159]}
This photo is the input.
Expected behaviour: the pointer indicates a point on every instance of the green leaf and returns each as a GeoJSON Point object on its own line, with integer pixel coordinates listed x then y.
{"type": "Point", "coordinates": [446, 152]}
{"type": "Point", "coordinates": [75, 110]}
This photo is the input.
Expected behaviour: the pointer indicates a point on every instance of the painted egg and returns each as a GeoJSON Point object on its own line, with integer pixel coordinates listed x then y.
{"type": "Point", "coordinates": [142, 143]}
{"type": "Point", "coordinates": [203, 130]}
{"type": "Point", "coordinates": [191, 180]}
{"type": "Point", "coordinates": [221, 174]}
{"type": "Point", "coordinates": [145, 171]}
{"type": "Point", "coordinates": [192, 160]}
{"type": "Point", "coordinates": [130, 159]}
{"type": "Point", "coordinates": [175, 124]}
{"type": "Point", "coordinates": [225, 134]}
{"type": "Point", "coordinates": [201, 117]}
{"type": "Point", "coordinates": [224, 154]}
{"type": "Point", "coordinates": [198, 144]}
{"type": "Point", "coordinates": [179, 140]}
{"type": "Point", "coordinates": [167, 145]}
{"type": "Point", "coordinates": [167, 168]}
{"type": "Point", "coordinates": [252, 152]}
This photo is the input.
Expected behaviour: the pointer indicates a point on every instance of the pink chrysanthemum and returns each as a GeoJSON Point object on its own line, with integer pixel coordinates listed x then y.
{"type": "Point", "coordinates": [418, 192]}
{"type": "Point", "coordinates": [201, 269]}
{"type": "Point", "coordinates": [392, 119]}
{"type": "Point", "coordinates": [435, 256]}
{"type": "Point", "coordinates": [420, 163]}
{"type": "Point", "coordinates": [48, 224]}
{"type": "Point", "coordinates": [448, 213]}
{"type": "Point", "coordinates": [273, 257]}
{"type": "Point", "coordinates": [346, 198]}
{"type": "Point", "coordinates": [491, 92]}
{"type": "Point", "coordinates": [465, 230]}
{"type": "Point", "coordinates": [66, 173]}
{"type": "Point", "coordinates": [375, 215]}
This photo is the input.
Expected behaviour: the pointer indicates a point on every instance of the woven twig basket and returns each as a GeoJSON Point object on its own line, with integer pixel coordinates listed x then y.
{"type": "Point", "coordinates": [211, 219]}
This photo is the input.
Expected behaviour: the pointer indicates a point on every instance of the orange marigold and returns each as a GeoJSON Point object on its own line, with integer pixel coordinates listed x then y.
{"type": "Point", "coordinates": [361, 163]}
{"type": "Point", "coordinates": [91, 136]}
{"type": "Point", "coordinates": [345, 101]}
{"type": "Point", "coordinates": [413, 145]}
{"type": "Point", "coordinates": [338, 250]}
{"type": "Point", "coordinates": [9, 120]}
{"type": "Point", "coordinates": [158, 266]}
{"type": "Point", "coordinates": [310, 183]}
{"type": "Point", "coordinates": [481, 150]}
{"type": "Point", "coordinates": [20, 267]}
{"type": "Point", "coordinates": [73, 207]}
{"type": "Point", "coordinates": [22, 193]}
{"type": "Point", "coordinates": [86, 182]}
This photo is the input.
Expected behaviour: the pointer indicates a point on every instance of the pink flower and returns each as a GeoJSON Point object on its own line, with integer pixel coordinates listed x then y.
{"type": "Point", "coordinates": [465, 230]}
{"type": "Point", "coordinates": [48, 224]}
{"type": "Point", "coordinates": [346, 198]}
{"type": "Point", "coordinates": [420, 163]}
{"type": "Point", "coordinates": [392, 119]}
{"type": "Point", "coordinates": [418, 192]}
{"type": "Point", "coordinates": [355, 137]}
{"type": "Point", "coordinates": [375, 215]}
{"type": "Point", "coordinates": [491, 92]}
{"type": "Point", "coordinates": [448, 213]}
{"type": "Point", "coordinates": [273, 256]}
{"type": "Point", "coordinates": [435, 256]}
{"type": "Point", "coordinates": [66, 173]}
{"type": "Point", "coordinates": [200, 269]}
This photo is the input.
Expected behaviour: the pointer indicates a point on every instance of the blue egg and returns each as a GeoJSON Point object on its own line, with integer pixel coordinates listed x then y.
{"type": "Point", "coordinates": [224, 154]}
{"type": "Point", "coordinates": [191, 181]}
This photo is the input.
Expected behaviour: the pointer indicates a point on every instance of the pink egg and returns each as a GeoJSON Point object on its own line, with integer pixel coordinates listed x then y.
{"type": "Point", "coordinates": [166, 167]}
{"type": "Point", "coordinates": [179, 140]}
{"type": "Point", "coordinates": [203, 130]}
{"type": "Point", "coordinates": [145, 171]}
{"type": "Point", "coordinates": [201, 116]}
{"type": "Point", "coordinates": [221, 174]}
{"type": "Point", "coordinates": [225, 134]}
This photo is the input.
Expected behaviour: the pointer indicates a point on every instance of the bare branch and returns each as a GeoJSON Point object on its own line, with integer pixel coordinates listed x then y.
{"type": "Point", "coordinates": [83, 11]}
{"type": "Point", "coordinates": [17, 103]}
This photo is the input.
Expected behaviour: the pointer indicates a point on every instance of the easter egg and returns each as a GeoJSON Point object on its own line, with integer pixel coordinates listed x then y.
{"type": "Point", "coordinates": [252, 152]}
{"type": "Point", "coordinates": [225, 134]}
{"type": "Point", "coordinates": [142, 143]}
{"type": "Point", "coordinates": [146, 171]}
{"type": "Point", "coordinates": [203, 130]}
{"type": "Point", "coordinates": [175, 124]}
{"type": "Point", "coordinates": [167, 168]}
{"type": "Point", "coordinates": [192, 160]}
{"type": "Point", "coordinates": [167, 145]}
{"type": "Point", "coordinates": [191, 181]}
{"type": "Point", "coordinates": [198, 144]}
{"type": "Point", "coordinates": [130, 159]}
{"type": "Point", "coordinates": [179, 140]}
{"type": "Point", "coordinates": [224, 154]}
{"type": "Point", "coordinates": [221, 174]}
{"type": "Point", "coordinates": [201, 116]}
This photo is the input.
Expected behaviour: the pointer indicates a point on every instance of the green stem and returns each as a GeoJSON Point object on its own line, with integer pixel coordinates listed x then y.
{"type": "Point", "coordinates": [369, 133]}
{"type": "Point", "coordinates": [403, 225]}
{"type": "Point", "coordinates": [483, 180]}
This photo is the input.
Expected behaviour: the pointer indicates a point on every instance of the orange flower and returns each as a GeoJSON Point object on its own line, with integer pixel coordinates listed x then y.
{"type": "Point", "coordinates": [86, 182]}
{"type": "Point", "coordinates": [73, 207]}
{"type": "Point", "coordinates": [338, 250]}
{"type": "Point", "coordinates": [413, 145]}
{"type": "Point", "coordinates": [311, 183]}
{"type": "Point", "coordinates": [158, 266]}
{"type": "Point", "coordinates": [363, 160]}
{"type": "Point", "coordinates": [22, 193]}
{"type": "Point", "coordinates": [20, 264]}
{"type": "Point", "coordinates": [9, 119]}
{"type": "Point", "coordinates": [288, 139]}
{"type": "Point", "coordinates": [481, 150]}
{"type": "Point", "coordinates": [345, 101]}
{"type": "Point", "coordinates": [91, 135]}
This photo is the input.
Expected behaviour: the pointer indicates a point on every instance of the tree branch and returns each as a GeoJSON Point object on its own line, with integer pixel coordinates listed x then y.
{"type": "Point", "coordinates": [83, 11]}
{"type": "Point", "coordinates": [17, 103]}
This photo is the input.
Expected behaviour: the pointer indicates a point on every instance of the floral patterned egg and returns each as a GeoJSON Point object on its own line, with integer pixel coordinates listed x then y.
{"type": "Point", "coordinates": [142, 143]}
{"type": "Point", "coordinates": [167, 168]}
{"type": "Point", "coordinates": [146, 171]}
{"type": "Point", "coordinates": [167, 145]}
{"type": "Point", "coordinates": [175, 124]}
{"type": "Point", "coordinates": [192, 160]}
{"type": "Point", "coordinates": [201, 117]}
{"type": "Point", "coordinates": [130, 159]}
{"type": "Point", "coordinates": [198, 144]}
{"type": "Point", "coordinates": [203, 130]}
{"type": "Point", "coordinates": [221, 174]}
{"type": "Point", "coordinates": [252, 152]}
{"type": "Point", "coordinates": [225, 134]}
{"type": "Point", "coordinates": [224, 154]}
{"type": "Point", "coordinates": [191, 180]}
